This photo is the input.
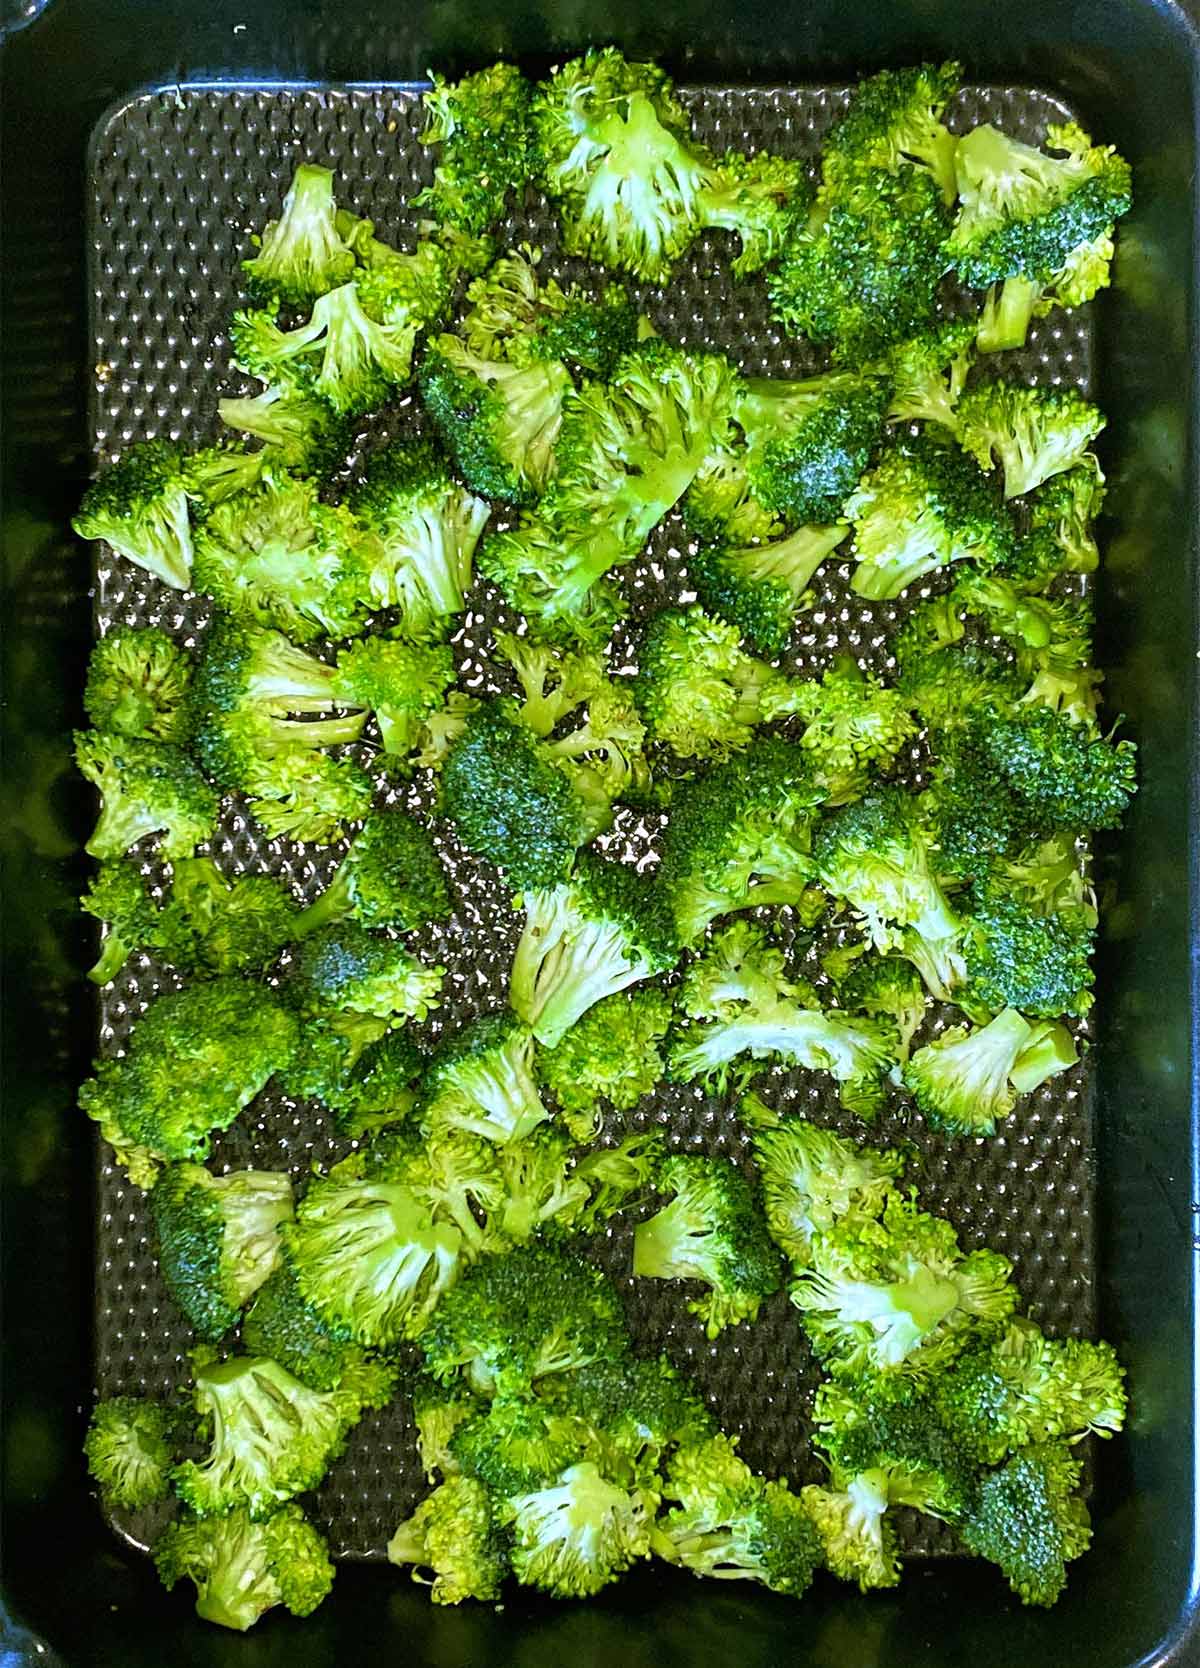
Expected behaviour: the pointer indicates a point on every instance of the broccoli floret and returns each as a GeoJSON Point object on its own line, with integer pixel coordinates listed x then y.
{"type": "Point", "coordinates": [499, 420]}
{"type": "Point", "coordinates": [145, 787]}
{"type": "Point", "coordinates": [137, 684]}
{"type": "Point", "coordinates": [812, 1178]}
{"type": "Point", "coordinates": [929, 371]}
{"type": "Point", "coordinates": [759, 588]}
{"type": "Point", "coordinates": [965, 1080]}
{"type": "Point", "coordinates": [390, 877]}
{"type": "Point", "coordinates": [344, 966]}
{"type": "Point", "coordinates": [282, 1326]}
{"type": "Point", "coordinates": [481, 128]}
{"type": "Point", "coordinates": [1067, 776]}
{"type": "Point", "coordinates": [272, 1437]}
{"type": "Point", "coordinates": [453, 1538]}
{"type": "Point", "coordinates": [894, 121]}
{"type": "Point", "coordinates": [858, 1541]}
{"type": "Point", "coordinates": [886, 987]}
{"type": "Point", "coordinates": [517, 1319]}
{"type": "Point", "coordinates": [584, 939]}
{"type": "Point", "coordinates": [891, 1422]}
{"type": "Point", "coordinates": [1021, 956]}
{"type": "Point", "coordinates": [604, 758]}
{"type": "Point", "coordinates": [249, 684]}
{"type": "Point", "coordinates": [577, 1534]}
{"type": "Point", "coordinates": [443, 728]}
{"type": "Point", "coordinates": [218, 1239]}
{"type": "Point", "coordinates": [518, 315]}
{"type": "Point", "coordinates": [808, 443]}
{"type": "Point", "coordinates": [1030, 1521]}
{"type": "Point", "coordinates": [898, 1290]}
{"type": "Point", "coordinates": [862, 272]}
{"type": "Point", "coordinates": [342, 354]}
{"type": "Point", "coordinates": [756, 1013]}
{"type": "Point", "coordinates": [481, 1080]}
{"type": "Point", "coordinates": [713, 1231]}
{"type": "Point", "coordinates": [1060, 513]}
{"type": "Point", "coordinates": [739, 836]}
{"type": "Point", "coordinates": [853, 725]}
{"type": "Point", "coordinates": [923, 506]}
{"type": "Point", "coordinates": [217, 473]}
{"type": "Point", "coordinates": [614, 1176]}
{"type": "Point", "coordinates": [279, 556]}
{"type": "Point", "coordinates": [308, 796]}
{"type": "Point", "coordinates": [369, 1257]}
{"type": "Point", "coordinates": [633, 1412]}
{"type": "Point", "coordinates": [1033, 433]}
{"type": "Point", "coordinates": [400, 683]}
{"type": "Point", "coordinates": [423, 528]}
{"type": "Point", "coordinates": [764, 1534]}
{"type": "Point", "coordinates": [300, 255]}
{"type": "Point", "coordinates": [510, 801]}
{"type": "Point", "coordinates": [514, 1444]}
{"type": "Point", "coordinates": [554, 680]}
{"type": "Point", "coordinates": [133, 920]}
{"type": "Point", "coordinates": [374, 1085]}
{"type": "Point", "coordinates": [699, 691]}
{"type": "Point", "coordinates": [948, 687]}
{"type": "Point", "coordinates": [196, 1058]}
{"type": "Point", "coordinates": [130, 1450]}
{"type": "Point", "coordinates": [539, 1191]}
{"type": "Point", "coordinates": [438, 1415]}
{"type": "Point", "coordinates": [228, 924]}
{"type": "Point", "coordinates": [139, 505]}
{"type": "Point", "coordinates": [241, 1569]}
{"type": "Point", "coordinates": [759, 199]}
{"type": "Point", "coordinates": [610, 1054]}
{"type": "Point", "coordinates": [1040, 225]}
{"type": "Point", "coordinates": [299, 432]}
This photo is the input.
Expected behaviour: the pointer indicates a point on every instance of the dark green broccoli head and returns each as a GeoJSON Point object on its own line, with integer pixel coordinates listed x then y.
{"type": "Point", "coordinates": [809, 442]}
{"type": "Point", "coordinates": [893, 1422]}
{"type": "Point", "coordinates": [391, 876]}
{"type": "Point", "coordinates": [634, 1410]}
{"type": "Point", "coordinates": [698, 690]}
{"type": "Point", "coordinates": [282, 1326]}
{"type": "Point", "coordinates": [516, 1444]}
{"type": "Point", "coordinates": [344, 966]}
{"type": "Point", "coordinates": [949, 686]}
{"type": "Point", "coordinates": [1030, 1520]}
{"type": "Point", "coordinates": [139, 505]}
{"type": "Point", "coordinates": [498, 420]}
{"type": "Point", "coordinates": [929, 371]}
{"type": "Point", "coordinates": [517, 314]}
{"type": "Point", "coordinates": [1019, 956]}
{"type": "Point", "coordinates": [894, 120]}
{"type": "Point", "coordinates": [759, 589]}
{"type": "Point", "coordinates": [1065, 775]}
{"type": "Point", "coordinates": [218, 1239]}
{"type": "Point", "coordinates": [231, 924]}
{"type": "Point", "coordinates": [145, 787]}
{"type": "Point", "coordinates": [853, 725]}
{"type": "Point", "coordinates": [610, 1054]}
{"type": "Point", "coordinates": [481, 128]}
{"type": "Point", "coordinates": [137, 684]}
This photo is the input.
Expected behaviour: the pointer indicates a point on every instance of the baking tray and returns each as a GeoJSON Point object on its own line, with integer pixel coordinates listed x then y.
{"type": "Point", "coordinates": [1126, 68]}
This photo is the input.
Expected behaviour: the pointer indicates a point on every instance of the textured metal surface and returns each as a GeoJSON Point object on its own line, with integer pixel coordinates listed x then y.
{"type": "Point", "coordinates": [179, 179]}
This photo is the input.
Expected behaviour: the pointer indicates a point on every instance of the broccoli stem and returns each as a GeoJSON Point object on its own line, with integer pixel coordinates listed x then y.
{"type": "Point", "coordinates": [1004, 323]}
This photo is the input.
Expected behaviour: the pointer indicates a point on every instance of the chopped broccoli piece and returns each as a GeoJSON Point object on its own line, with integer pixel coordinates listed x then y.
{"type": "Point", "coordinates": [763, 1534]}
{"type": "Point", "coordinates": [577, 1534]}
{"type": "Point", "coordinates": [929, 372]}
{"type": "Point", "coordinates": [893, 121]}
{"type": "Point", "coordinates": [481, 1080]}
{"type": "Point", "coordinates": [1035, 433]}
{"type": "Point", "coordinates": [145, 787]}
{"type": "Point", "coordinates": [137, 684]}
{"type": "Point", "coordinates": [518, 315]}
{"type": "Point", "coordinates": [853, 725]}
{"type": "Point", "coordinates": [301, 255]}
{"type": "Point", "coordinates": [759, 588]}
{"type": "Point", "coordinates": [308, 796]}
{"type": "Point", "coordinates": [812, 1178]}
{"type": "Point", "coordinates": [453, 1536]}
{"type": "Point", "coordinates": [513, 1444]}
{"type": "Point", "coordinates": [218, 1239]}
{"type": "Point", "coordinates": [481, 128]}
{"type": "Point", "coordinates": [633, 1412]}
{"type": "Point", "coordinates": [1023, 956]}
{"type": "Point", "coordinates": [139, 505]}
{"type": "Point", "coordinates": [133, 920]}
{"type": "Point", "coordinates": [554, 680]}
{"type": "Point", "coordinates": [699, 691]}
{"type": "Point", "coordinates": [299, 432]}
{"type": "Point", "coordinates": [808, 443]}
{"type": "Point", "coordinates": [281, 1325]}
{"type": "Point", "coordinates": [438, 1415]}
{"type": "Point", "coordinates": [610, 1054]}
{"type": "Point", "coordinates": [584, 939]}
{"type": "Point", "coordinates": [1030, 1521]}
{"type": "Point", "coordinates": [858, 1540]}
{"type": "Point", "coordinates": [964, 1080]}
{"type": "Point", "coordinates": [344, 966]}
{"type": "Point", "coordinates": [130, 1450]}
{"type": "Point", "coordinates": [886, 987]}
{"type": "Point", "coordinates": [390, 877]}
{"type": "Point", "coordinates": [241, 1569]}
{"type": "Point", "coordinates": [228, 925]}
{"type": "Point", "coordinates": [713, 1231]}
{"type": "Point", "coordinates": [400, 683]}
{"type": "Point", "coordinates": [891, 1422]}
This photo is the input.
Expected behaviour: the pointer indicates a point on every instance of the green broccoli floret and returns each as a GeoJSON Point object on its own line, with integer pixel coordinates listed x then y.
{"type": "Point", "coordinates": [633, 1412]}
{"type": "Point", "coordinates": [554, 680]}
{"type": "Point", "coordinates": [282, 1326]}
{"type": "Point", "coordinates": [481, 1080]}
{"type": "Point", "coordinates": [344, 966]}
{"type": "Point", "coordinates": [898, 1290]}
{"type": "Point", "coordinates": [481, 128]}
{"type": "Point", "coordinates": [759, 588]}
{"type": "Point", "coordinates": [853, 725]}
{"type": "Point", "coordinates": [812, 1178]}
{"type": "Point", "coordinates": [699, 691]}
{"type": "Point", "coordinates": [130, 1450]}
{"type": "Point", "coordinates": [862, 272]}
{"type": "Point", "coordinates": [145, 787]}
{"type": "Point", "coordinates": [241, 1569]}
{"type": "Point", "coordinates": [218, 1239]}
{"type": "Point", "coordinates": [390, 877]}
{"type": "Point", "coordinates": [361, 1069]}
{"type": "Point", "coordinates": [355, 350]}
{"type": "Point", "coordinates": [499, 420]}
{"type": "Point", "coordinates": [1030, 1521]}
{"type": "Point", "coordinates": [279, 556]}
{"type": "Point", "coordinates": [713, 1231]}
{"type": "Point", "coordinates": [299, 432]}
{"type": "Point", "coordinates": [510, 801]}
{"type": "Point", "coordinates": [217, 473]}
{"type": "Point", "coordinates": [438, 1415]}
{"type": "Point", "coordinates": [301, 255]}
{"type": "Point", "coordinates": [965, 1080]}
{"type": "Point", "coordinates": [1023, 956]}
{"type": "Point", "coordinates": [590, 936]}
{"type": "Point", "coordinates": [893, 121]}
{"type": "Point", "coordinates": [249, 684]}
{"type": "Point", "coordinates": [514, 1444]}
{"type": "Point", "coordinates": [422, 529]}
{"type": "Point", "coordinates": [133, 920]}
{"type": "Point", "coordinates": [759, 199]}
{"type": "Point", "coordinates": [369, 1257]}
{"type": "Point", "coordinates": [610, 1054]}
{"type": "Point", "coordinates": [858, 1540]}
{"type": "Point", "coordinates": [929, 371]}
{"type": "Point", "coordinates": [891, 1422]}
{"type": "Point", "coordinates": [923, 506]}
{"type": "Point", "coordinates": [137, 684]}
{"type": "Point", "coordinates": [517, 1319]}
{"type": "Point", "coordinates": [272, 1437]}
{"type": "Point", "coordinates": [739, 836]}
{"type": "Point", "coordinates": [307, 795]}
{"type": "Point", "coordinates": [616, 1176]}
{"type": "Point", "coordinates": [604, 758]}
{"type": "Point", "coordinates": [400, 683]}
{"type": "Point", "coordinates": [453, 1538]}
{"type": "Point", "coordinates": [517, 314]}
{"type": "Point", "coordinates": [1040, 225]}
{"type": "Point", "coordinates": [139, 505]}
{"type": "Point", "coordinates": [1060, 513]}
{"type": "Point", "coordinates": [760, 1533]}
{"type": "Point", "coordinates": [948, 687]}
{"type": "Point", "coordinates": [1067, 776]}
{"type": "Point", "coordinates": [1033, 433]}
{"type": "Point", "coordinates": [228, 924]}
{"type": "Point", "coordinates": [808, 443]}
{"type": "Point", "coordinates": [754, 1013]}
{"type": "Point", "coordinates": [575, 1535]}
{"type": "Point", "coordinates": [886, 987]}
{"type": "Point", "coordinates": [196, 1058]}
